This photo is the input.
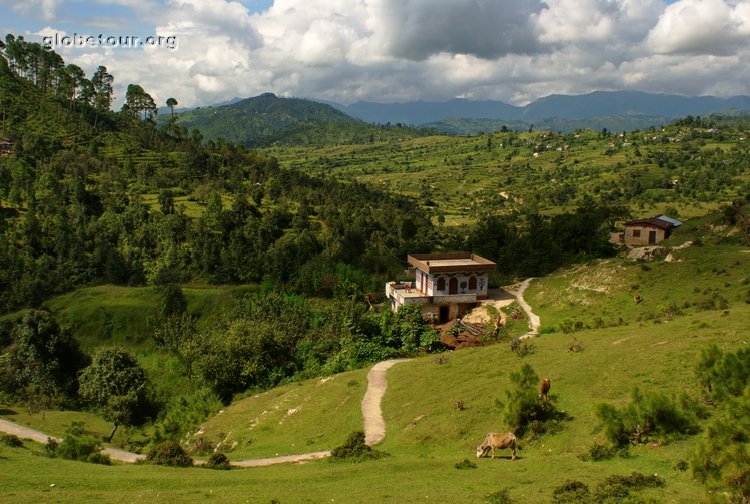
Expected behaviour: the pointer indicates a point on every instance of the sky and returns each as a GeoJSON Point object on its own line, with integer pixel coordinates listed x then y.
{"type": "Point", "coordinates": [399, 50]}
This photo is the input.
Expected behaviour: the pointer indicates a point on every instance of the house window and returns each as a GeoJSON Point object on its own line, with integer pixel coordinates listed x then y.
{"type": "Point", "coordinates": [472, 283]}
{"type": "Point", "coordinates": [441, 284]}
{"type": "Point", "coordinates": [636, 233]}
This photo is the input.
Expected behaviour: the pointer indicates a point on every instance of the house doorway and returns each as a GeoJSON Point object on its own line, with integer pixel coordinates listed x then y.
{"type": "Point", "coordinates": [651, 237]}
{"type": "Point", "coordinates": [453, 286]}
{"type": "Point", "coordinates": [444, 314]}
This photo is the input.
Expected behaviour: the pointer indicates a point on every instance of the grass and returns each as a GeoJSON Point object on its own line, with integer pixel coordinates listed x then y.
{"type": "Point", "coordinates": [299, 417]}
{"type": "Point", "coordinates": [428, 433]}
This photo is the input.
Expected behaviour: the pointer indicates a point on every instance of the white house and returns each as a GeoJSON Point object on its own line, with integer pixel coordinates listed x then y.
{"type": "Point", "coordinates": [446, 285]}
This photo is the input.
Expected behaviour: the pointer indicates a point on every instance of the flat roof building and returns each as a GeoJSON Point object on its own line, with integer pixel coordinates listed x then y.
{"type": "Point", "coordinates": [445, 285]}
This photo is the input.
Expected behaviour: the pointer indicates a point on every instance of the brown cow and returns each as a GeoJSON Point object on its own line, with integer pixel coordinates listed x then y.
{"type": "Point", "coordinates": [494, 440]}
{"type": "Point", "coordinates": [544, 389]}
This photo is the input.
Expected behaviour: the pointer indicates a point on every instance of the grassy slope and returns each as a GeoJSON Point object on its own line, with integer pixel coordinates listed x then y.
{"type": "Point", "coordinates": [427, 435]}
{"type": "Point", "coordinates": [459, 173]}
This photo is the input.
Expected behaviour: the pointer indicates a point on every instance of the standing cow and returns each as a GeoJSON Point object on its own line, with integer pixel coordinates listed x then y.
{"type": "Point", "coordinates": [544, 389]}
{"type": "Point", "coordinates": [500, 441]}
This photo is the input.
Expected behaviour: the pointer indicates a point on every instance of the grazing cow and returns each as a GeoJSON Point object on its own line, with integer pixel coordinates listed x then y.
{"type": "Point", "coordinates": [494, 440]}
{"type": "Point", "coordinates": [544, 389]}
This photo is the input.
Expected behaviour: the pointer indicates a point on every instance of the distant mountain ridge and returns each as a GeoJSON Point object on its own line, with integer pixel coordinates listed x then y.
{"type": "Point", "coordinates": [268, 119]}
{"type": "Point", "coordinates": [567, 107]}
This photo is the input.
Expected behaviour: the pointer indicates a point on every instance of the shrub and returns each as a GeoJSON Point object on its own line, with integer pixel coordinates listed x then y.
{"type": "Point", "coordinates": [499, 497]}
{"type": "Point", "coordinates": [520, 348]}
{"type": "Point", "coordinates": [11, 440]}
{"type": "Point", "coordinates": [466, 464]}
{"type": "Point", "coordinates": [571, 492]}
{"type": "Point", "coordinates": [355, 449]}
{"type": "Point", "coordinates": [218, 461]}
{"type": "Point", "coordinates": [98, 458]}
{"type": "Point", "coordinates": [617, 488]}
{"type": "Point", "coordinates": [169, 453]}
{"type": "Point", "coordinates": [526, 412]}
{"type": "Point", "coordinates": [50, 449]}
{"type": "Point", "coordinates": [576, 346]}
{"type": "Point", "coordinates": [599, 452]}
{"type": "Point", "coordinates": [77, 445]}
{"type": "Point", "coordinates": [647, 415]}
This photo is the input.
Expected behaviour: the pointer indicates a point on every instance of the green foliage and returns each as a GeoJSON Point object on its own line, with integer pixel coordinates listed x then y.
{"type": "Point", "coordinates": [650, 415]}
{"type": "Point", "coordinates": [218, 461]}
{"type": "Point", "coordinates": [43, 360]}
{"type": "Point", "coordinates": [10, 440]}
{"type": "Point", "coordinates": [355, 449]}
{"type": "Point", "coordinates": [571, 492]}
{"type": "Point", "coordinates": [499, 497]}
{"type": "Point", "coordinates": [116, 384]}
{"type": "Point", "coordinates": [598, 452]}
{"type": "Point", "coordinates": [466, 464]}
{"type": "Point", "coordinates": [619, 488]}
{"type": "Point", "coordinates": [169, 453]}
{"type": "Point", "coordinates": [723, 375]}
{"type": "Point", "coordinates": [183, 412]}
{"type": "Point", "coordinates": [722, 456]}
{"type": "Point", "coordinates": [525, 412]}
{"type": "Point", "coordinates": [78, 445]}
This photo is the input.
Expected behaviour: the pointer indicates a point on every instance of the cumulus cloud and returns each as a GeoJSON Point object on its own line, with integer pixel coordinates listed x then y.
{"type": "Point", "coordinates": [717, 27]}
{"type": "Point", "coordinates": [399, 50]}
{"type": "Point", "coordinates": [418, 29]}
{"type": "Point", "coordinates": [45, 9]}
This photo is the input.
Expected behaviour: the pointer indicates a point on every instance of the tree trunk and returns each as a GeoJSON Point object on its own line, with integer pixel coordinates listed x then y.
{"type": "Point", "coordinates": [109, 439]}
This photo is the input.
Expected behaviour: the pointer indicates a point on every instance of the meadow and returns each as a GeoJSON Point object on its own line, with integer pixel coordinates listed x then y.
{"type": "Point", "coordinates": [439, 406]}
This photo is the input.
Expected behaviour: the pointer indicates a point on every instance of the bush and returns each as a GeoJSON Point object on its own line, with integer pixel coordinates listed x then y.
{"type": "Point", "coordinates": [499, 497]}
{"type": "Point", "coordinates": [355, 449]}
{"type": "Point", "coordinates": [617, 488]}
{"type": "Point", "coordinates": [520, 348]}
{"type": "Point", "coordinates": [218, 461]}
{"type": "Point", "coordinates": [466, 464]}
{"type": "Point", "coordinates": [169, 453]}
{"type": "Point", "coordinates": [526, 412]}
{"type": "Point", "coordinates": [50, 449]}
{"type": "Point", "coordinates": [646, 416]}
{"type": "Point", "coordinates": [11, 440]}
{"type": "Point", "coordinates": [599, 452]}
{"type": "Point", "coordinates": [571, 492]}
{"type": "Point", "coordinates": [77, 445]}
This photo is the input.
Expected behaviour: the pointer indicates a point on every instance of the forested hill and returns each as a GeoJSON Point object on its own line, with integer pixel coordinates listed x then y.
{"type": "Point", "coordinates": [95, 196]}
{"type": "Point", "coordinates": [267, 119]}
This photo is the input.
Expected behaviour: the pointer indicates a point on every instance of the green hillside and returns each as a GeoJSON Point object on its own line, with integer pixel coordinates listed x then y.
{"type": "Point", "coordinates": [690, 166]}
{"type": "Point", "coordinates": [654, 347]}
{"type": "Point", "coordinates": [270, 120]}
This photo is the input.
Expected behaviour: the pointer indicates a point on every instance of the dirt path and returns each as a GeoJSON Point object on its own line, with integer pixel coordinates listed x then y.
{"type": "Point", "coordinates": [534, 320]}
{"type": "Point", "coordinates": [372, 416]}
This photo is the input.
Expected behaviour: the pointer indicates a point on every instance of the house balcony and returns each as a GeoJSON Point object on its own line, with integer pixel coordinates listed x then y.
{"type": "Point", "coordinates": [405, 294]}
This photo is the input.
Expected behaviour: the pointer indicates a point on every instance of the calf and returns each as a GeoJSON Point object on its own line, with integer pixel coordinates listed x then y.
{"type": "Point", "coordinates": [494, 440]}
{"type": "Point", "coordinates": [544, 389]}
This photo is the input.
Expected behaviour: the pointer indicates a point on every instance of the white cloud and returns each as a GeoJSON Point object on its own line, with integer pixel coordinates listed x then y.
{"type": "Point", "coordinates": [46, 9]}
{"type": "Point", "coordinates": [398, 50]}
{"type": "Point", "coordinates": [717, 27]}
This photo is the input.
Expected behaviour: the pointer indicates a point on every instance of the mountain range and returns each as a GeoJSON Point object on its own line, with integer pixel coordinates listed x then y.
{"type": "Point", "coordinates": [268, 119]}
{"type": "Point", "coordinates": [568, 107]}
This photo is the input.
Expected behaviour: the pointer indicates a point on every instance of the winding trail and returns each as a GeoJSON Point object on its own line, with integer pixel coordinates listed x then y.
{"type": "Point", "coordinates": [372, 417]}
{"type": "Point", "coordinates": [534, 320]}
{"type": "Point", "coordinates": [372, 414]}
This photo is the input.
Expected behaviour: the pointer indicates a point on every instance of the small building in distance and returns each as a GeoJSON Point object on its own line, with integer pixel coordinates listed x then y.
{"type": "Point", "coordinates": [6, 146]}
{"type": "Point", "coordinates": [648, 231]}
{"type": "Point", "coordinates": [446, 285]}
